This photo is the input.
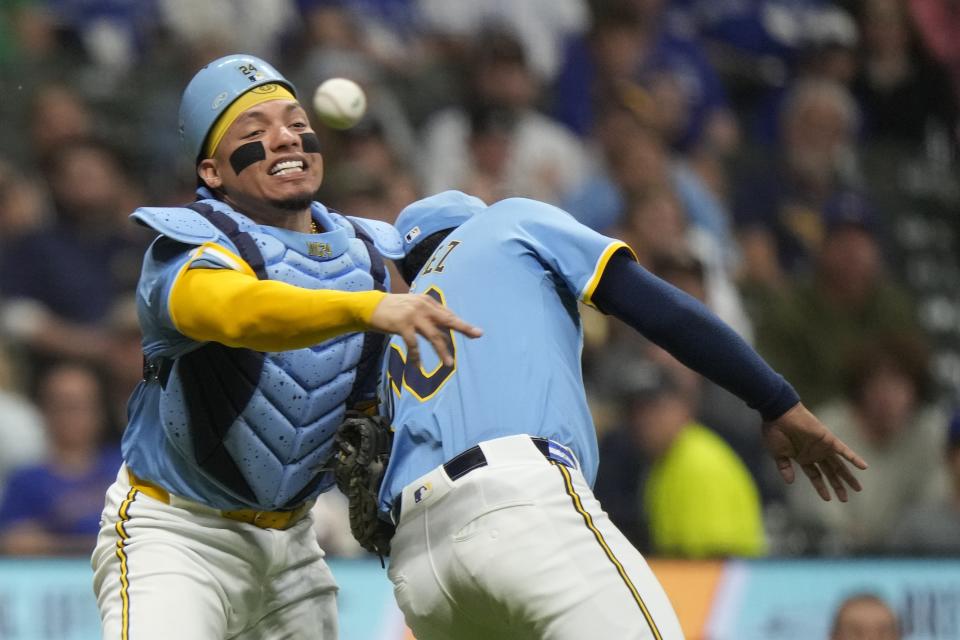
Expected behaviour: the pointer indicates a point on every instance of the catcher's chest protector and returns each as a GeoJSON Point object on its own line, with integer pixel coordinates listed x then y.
{"type": "Point", "coordinates": [261, 425]}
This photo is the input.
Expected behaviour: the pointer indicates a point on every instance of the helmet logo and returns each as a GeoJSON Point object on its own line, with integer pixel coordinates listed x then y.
{"type": "Point", "coordinates": [265, 88]}
{"type": "Point", "coordinates": [412, 234]}
{"type": "Point", "coordinates": [250, 72]}
{"type": "Point", "coordinates": [219, 100]}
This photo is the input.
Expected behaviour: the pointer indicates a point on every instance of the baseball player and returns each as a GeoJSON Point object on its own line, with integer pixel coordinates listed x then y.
{"type": "Point", "coordinates": [498, 534]}
{"type": "Point", "coordinates": [260, 310]}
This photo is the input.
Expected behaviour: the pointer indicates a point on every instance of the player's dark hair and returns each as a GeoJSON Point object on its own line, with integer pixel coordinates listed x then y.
{"type": "Point", "coordinates": [410, 265]}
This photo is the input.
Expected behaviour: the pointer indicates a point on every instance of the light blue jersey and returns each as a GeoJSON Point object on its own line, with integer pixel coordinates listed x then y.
{"type": "Point", "coordinates": [517, 270]}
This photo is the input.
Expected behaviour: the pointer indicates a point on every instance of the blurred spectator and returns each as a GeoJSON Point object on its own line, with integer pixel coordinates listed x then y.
{"type": "Point", "coordinates": [112, 32]}
{"type": "Point", "coordinates": [22, 437]}
{"type": "Point", "coordinates": [23, 204]}
{"type": "Point", "coordinates": [61, 281]}
{"type": "Point", "coordinates": [596, 65]}
{"type": "Point", "coordinates": [905, 96]}
{"type": "Point", "coordinates": [546, 160]}
{"type": "Point", "coordinates": [390, 30]}
{"type": "Point", "coordinates": [827, 51]}
{"type": "Point", "coordinates": [542, 26]}
{"type": "Point", "coordinates": [779, 203]}
{"type": "Point", "coordinates": [336, 46]}
{"type": "Point", "coordinates": [886, 416]}
{"type": "Point", "coordinates": [938, 24]}
{"type": "Point", "coordinates": [654, 225]}
{"type": "Point", "coordinates": [353, 188]}
{"type": "Point", "coordinates": [865, 617]}
{"type": "Point", "coordinates": [491, 137]}
{"type": "Point", "coordinates": [253, 26]}
{"type": "Point", "coordinates": [699, 499]}
{"type": "Point", "coordinates": [630, 160]}
{"type": "Point", "coordinates": [58, 115]}
{"type": "Point", "coordinates": [54, 508]}
{"type": "Point", "coordinates": [758, 46]}
{"type": "Point", "coordinates": [630, 42]}
{"type": "Point", "coordinates": [807, 331]}
{"type": "Point", "coordinates": [933, 528]}
{"type": "Point", "coordinates": [27, 32]}
{"type": "Point", "coordinates": [368, 178]}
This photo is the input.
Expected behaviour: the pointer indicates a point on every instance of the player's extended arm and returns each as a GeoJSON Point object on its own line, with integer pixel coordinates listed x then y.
{"type": "Point", "coordinates": [238, 310]}
{"type": "Point", "coordinates": [695, 336]}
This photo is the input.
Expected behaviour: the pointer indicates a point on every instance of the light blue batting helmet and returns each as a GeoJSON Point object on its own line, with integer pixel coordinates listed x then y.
{"type": "Point", "coordinates": [214, 88]}
{"type": "Point", "coordinates": [444, 210]}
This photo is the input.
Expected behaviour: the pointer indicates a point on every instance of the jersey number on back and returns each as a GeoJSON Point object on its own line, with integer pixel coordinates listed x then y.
{"type": "Point", "coordinates": [421, 383]}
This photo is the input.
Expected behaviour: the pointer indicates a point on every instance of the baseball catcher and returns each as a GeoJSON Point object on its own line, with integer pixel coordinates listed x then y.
{"type": "Point", "coordinates": [363, 448]}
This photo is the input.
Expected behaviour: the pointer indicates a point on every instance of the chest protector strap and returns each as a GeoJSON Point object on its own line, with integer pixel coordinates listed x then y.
{"type": "Point", "coordinates": [368, 369]}
{"type": "Point", "coordinates": [243, 241]}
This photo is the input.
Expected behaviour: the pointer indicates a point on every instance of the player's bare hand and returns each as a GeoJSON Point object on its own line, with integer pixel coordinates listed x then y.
{"type": "Point", "coordinates": [798, 436]}
{"type": "Point", "coordinates": [410, 315]}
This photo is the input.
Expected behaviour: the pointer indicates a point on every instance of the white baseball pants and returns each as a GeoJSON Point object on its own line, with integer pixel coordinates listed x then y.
{"type": "Point", "coordinates": [520, 548]}
{"type": "Point", "coordinates": [187, 573]}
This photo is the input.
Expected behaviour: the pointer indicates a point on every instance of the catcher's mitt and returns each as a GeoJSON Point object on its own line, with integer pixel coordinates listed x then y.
{"type": "Point", "coordinates": [363, 448]}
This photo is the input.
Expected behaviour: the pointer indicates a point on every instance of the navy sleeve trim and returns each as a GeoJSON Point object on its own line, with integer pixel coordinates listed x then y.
{"type": "Point", "coordinates": [695, 336]}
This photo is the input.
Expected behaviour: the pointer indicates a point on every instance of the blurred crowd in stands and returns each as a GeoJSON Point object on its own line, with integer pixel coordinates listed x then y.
{"type": "Point", "coordinates": [791, 163]}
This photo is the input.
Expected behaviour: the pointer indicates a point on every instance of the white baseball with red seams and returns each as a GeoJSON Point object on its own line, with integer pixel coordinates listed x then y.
{"type": "Point", "coordinates": [339, 103]}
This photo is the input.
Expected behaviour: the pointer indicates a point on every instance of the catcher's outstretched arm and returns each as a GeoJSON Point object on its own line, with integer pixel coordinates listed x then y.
{"type": "Point", "coordinates": [238, 310]}
{"type": "Point", "coordinates": [233, 307]}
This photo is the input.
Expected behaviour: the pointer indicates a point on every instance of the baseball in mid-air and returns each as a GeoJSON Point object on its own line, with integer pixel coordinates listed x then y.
{"type": "Point", "coordinates": [339, 103]}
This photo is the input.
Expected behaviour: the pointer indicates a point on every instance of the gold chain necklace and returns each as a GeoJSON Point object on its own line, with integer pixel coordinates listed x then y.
{"type": "Point", "coordinates": [314, 227]}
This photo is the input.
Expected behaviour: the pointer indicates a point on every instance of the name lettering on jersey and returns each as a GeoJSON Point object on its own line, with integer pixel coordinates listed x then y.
{"type": "Point", "coordinates": [439, 257]}
{"type": "Point", "coordinates": [319, 249]}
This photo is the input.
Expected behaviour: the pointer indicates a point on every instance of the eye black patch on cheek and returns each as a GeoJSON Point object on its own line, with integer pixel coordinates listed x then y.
{"type": "Point", "coordinates": [310, 142]}
{"type": "Point", "coordinates": [246, 155]}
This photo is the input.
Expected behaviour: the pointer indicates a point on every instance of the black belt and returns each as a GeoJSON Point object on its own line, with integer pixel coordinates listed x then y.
{"type": "Point", "coordinates": [474, 458]}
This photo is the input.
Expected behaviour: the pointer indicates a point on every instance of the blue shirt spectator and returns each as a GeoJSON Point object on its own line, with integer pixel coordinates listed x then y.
{"type": "Point", "coordinates": [61, 503]}
{"type": "Point", "coordinates": [668, 55]}
{"type": "Point", "coordinates": [53, 507]}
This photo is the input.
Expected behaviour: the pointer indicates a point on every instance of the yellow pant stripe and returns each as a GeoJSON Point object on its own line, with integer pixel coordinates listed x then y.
{"type": "Point", "coordinates": [122, 555]}
{"type": "Point", "coordinates": [588, 519]}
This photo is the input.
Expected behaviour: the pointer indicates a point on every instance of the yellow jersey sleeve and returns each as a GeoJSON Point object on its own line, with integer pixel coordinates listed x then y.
{"type": "Point", "coordinates": [233, 307]}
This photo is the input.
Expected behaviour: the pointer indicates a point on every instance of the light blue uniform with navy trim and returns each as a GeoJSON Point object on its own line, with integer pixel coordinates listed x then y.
{"type": "Point", "coordinates": [238, 428]}
{"type": "Point", "coordinates": [517, 269]}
